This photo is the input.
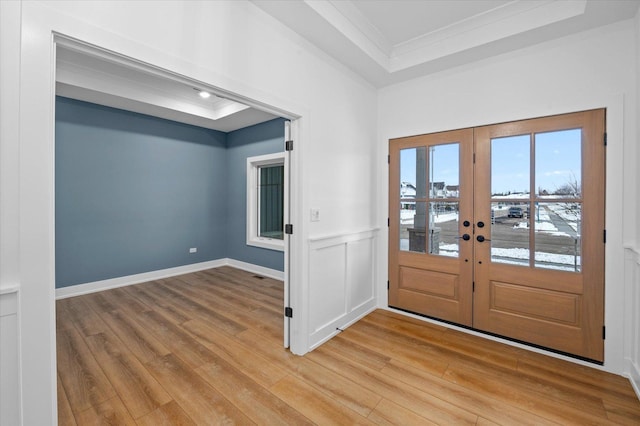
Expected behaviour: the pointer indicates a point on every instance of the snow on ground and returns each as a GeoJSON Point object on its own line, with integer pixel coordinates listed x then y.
{"type": "Point", "coordinates": [406, 217]}
{"type": "Point", "coordinates": [542, 216]}
{"type": "Point", "coordinates": [445, 217]}
{"type": "Point", "coordinates": [549, 228]}
{"type": "Point", "coordinates": [557, 267]}
{"type": "Point", "coordinates": [568, 211]}
{"type": "Point", "coordinates": [518, 196]}
{"type": "Point", "coordinates": [546, 227]}
{"type": "Point", "coordinates": [520, 256]}
{"type": "Point", "coordinates": [515, 256]}
{"type": "Point", "coordinates": [450, 250]}
{"type": "Point", "coordinates": [523, 253]}
{"type": "Point", "coordinates": [570, 215]}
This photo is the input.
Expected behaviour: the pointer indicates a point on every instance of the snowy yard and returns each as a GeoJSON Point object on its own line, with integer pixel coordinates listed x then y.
{"type": "Point", "coordinates": [542, 223]}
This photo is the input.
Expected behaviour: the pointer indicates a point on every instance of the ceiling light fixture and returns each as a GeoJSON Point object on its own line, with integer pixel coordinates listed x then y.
{"type": "Point", "coordinates": [204, 95]}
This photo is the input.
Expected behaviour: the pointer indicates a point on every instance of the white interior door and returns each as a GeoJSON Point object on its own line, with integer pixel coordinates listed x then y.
{"type": "Point", "coordinates": [287, 237]}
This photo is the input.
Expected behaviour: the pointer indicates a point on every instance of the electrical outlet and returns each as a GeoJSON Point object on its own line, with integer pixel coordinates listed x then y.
{"type": "Point", "coordinates": [315, 215]}
{"type": "Point", "coordinates": [193, 250]}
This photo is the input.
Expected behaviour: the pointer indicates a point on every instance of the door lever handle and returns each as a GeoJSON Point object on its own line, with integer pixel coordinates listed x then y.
{"type": "Point", "coordinates": [465, 237]}
{"type": "Point", "coordinates": [481, 238]}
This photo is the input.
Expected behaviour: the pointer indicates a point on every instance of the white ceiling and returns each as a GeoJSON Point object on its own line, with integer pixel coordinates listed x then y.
{"type": "Point", "coordinates": [384, 41]}
{"type": "Point", "coordinates": [93, 76]}
{"type": "Point", "coordinates": [419, 17]}
{"type": "Point", "coordinates": [389, 41]}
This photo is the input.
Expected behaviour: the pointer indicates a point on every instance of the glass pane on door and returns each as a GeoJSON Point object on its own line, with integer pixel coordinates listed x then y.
{"type": "Point", "coordinates": [413, 169]}
{"type": "Point", "coordinates": [510, 233]}
{"type": "Point", "coordinates": [444, 171]}
{"type": "Point", "coordinates": [413, 226]}
{"type": "Point", "coordinates": [559, 164]}
{"type": "Point", "coordinates": [443, 228]}
{"type": "Point", "coordinates": [413, 207]}
{"type": "Point", "coordinates": [510, 165]}
{"type": "Point", "coordinates": [557, 229]}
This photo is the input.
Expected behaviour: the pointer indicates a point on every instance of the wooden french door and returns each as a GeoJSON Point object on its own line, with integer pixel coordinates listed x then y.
{"type": "Point", "coordinates": [431, 201]}
{"type": "Point", "coordinates": [500, 228]}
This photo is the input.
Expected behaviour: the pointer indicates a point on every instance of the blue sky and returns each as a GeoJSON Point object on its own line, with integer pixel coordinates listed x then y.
{"type": "Point", "coordinates": [558, 161]}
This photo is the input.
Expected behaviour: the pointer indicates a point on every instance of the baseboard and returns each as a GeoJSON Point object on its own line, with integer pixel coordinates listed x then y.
{"type": "Point", "coordinates": [255, 269]}
{"type": "Point", "coordinates": [80, 289]}
{"type": "Point", "coordinates": [634, 378]}
{"type": "Point", "coordinates": [340, 324]}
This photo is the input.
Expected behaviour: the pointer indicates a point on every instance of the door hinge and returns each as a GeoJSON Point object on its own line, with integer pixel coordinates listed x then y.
{"type": "Point", "coordinates": [288, 312]}
{"type": "Point", "coordinates": [288, 145]}
{"type": "Point", "coordinates": [474, 158]}
{"type": "Point", "coordinates": [604, 236]}
{"type": "Point", "coordinates": [473, 286]}
{"type": "Point", "coordinates": [388, 223]}
{"type": "Point", "coordinates": [604, 332]}
{"type": "Point", "coordinates": [605, 139]}
{"type": "Point", "coordinates": [387, 284]}
{"type": "Point", "coordinates": [288, 229]}
{"type": "Point", "coordinates": [388, 159]}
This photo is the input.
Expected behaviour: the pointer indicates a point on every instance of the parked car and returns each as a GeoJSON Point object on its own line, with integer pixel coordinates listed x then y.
{"type": "Point", "coordinates": [515, 212]}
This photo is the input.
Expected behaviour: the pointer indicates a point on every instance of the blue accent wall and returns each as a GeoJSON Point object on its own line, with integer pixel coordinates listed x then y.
{"type": "Point", "coordinates": [134, 193]}
{"type": "Point", "coordinates": [261, 139]}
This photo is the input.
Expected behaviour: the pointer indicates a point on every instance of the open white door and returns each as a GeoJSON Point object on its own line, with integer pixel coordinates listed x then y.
{"type": "Point", "coordinates": [288, 146]}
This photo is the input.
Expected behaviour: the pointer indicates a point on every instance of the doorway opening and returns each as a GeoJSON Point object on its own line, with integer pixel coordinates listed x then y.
{"type": "Point", "coordinates": [90, 74]}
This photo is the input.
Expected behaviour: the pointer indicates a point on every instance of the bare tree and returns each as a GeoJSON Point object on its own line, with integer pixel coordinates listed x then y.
{"type": "Point", "coordinates": [571, 188]}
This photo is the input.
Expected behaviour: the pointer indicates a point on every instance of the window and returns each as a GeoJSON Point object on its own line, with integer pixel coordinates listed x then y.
{"type": "Point", "coordinates": [265, 201]}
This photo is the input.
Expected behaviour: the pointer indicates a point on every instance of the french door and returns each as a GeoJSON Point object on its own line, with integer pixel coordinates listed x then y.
{"type": "Point", "coordinates": [500, 228]}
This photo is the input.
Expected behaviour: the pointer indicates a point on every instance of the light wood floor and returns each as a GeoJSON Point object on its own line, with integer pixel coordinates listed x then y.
{"type": "Point", "coordinates": [206, 348]}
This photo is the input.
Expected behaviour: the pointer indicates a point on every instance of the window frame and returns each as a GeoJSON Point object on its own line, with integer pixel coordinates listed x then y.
{"type": "Point", "coordinates": [253, 168]}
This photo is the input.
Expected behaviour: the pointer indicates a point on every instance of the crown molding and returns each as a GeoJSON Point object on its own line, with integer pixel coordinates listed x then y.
{"type": "Point", "coordinates": [346, 19]}
{"type": "Point", "coordinates": [346, 32]}
{"type": "Point", "coordinates": [500, 23]}
{"type": "Point", "coordinates": [508, 20]}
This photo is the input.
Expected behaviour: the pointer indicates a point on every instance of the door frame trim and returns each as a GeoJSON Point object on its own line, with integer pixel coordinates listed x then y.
{"type": "Point", "coordinates": [616, 282]}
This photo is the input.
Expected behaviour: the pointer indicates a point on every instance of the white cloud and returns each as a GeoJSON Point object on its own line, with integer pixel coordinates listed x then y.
{"type": "Point", "coordinates": [557, 173]}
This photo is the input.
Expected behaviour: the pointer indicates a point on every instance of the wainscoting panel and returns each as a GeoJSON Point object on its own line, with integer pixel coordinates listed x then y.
{"type": "Point", "coordinates": [632, 278]}
{"type": "Point", "coordinates": [360, 273]}
{"type": "Point", "coordinates": [341, 280]}
{"type": "Point", "coordinates": [9, 356]}
{"type": "Point", "coordinates": [327, 295]}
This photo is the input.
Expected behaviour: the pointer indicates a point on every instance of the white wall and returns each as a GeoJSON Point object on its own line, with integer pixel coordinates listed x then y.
{"type": "Point", "coordinates": [588, 70]}
{"type": "Point", "coordinates": [10, 392]}
{"type": "Point", "coordinates": [632, 269]}
{"type": "Point", "coordinates": [231, 45]}
{"type": "Point", "coordinates": [637, 120]}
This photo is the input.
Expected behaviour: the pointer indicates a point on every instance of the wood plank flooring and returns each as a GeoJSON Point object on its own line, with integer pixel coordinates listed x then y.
{"type": "Point", "coordinates": [206, 348]}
